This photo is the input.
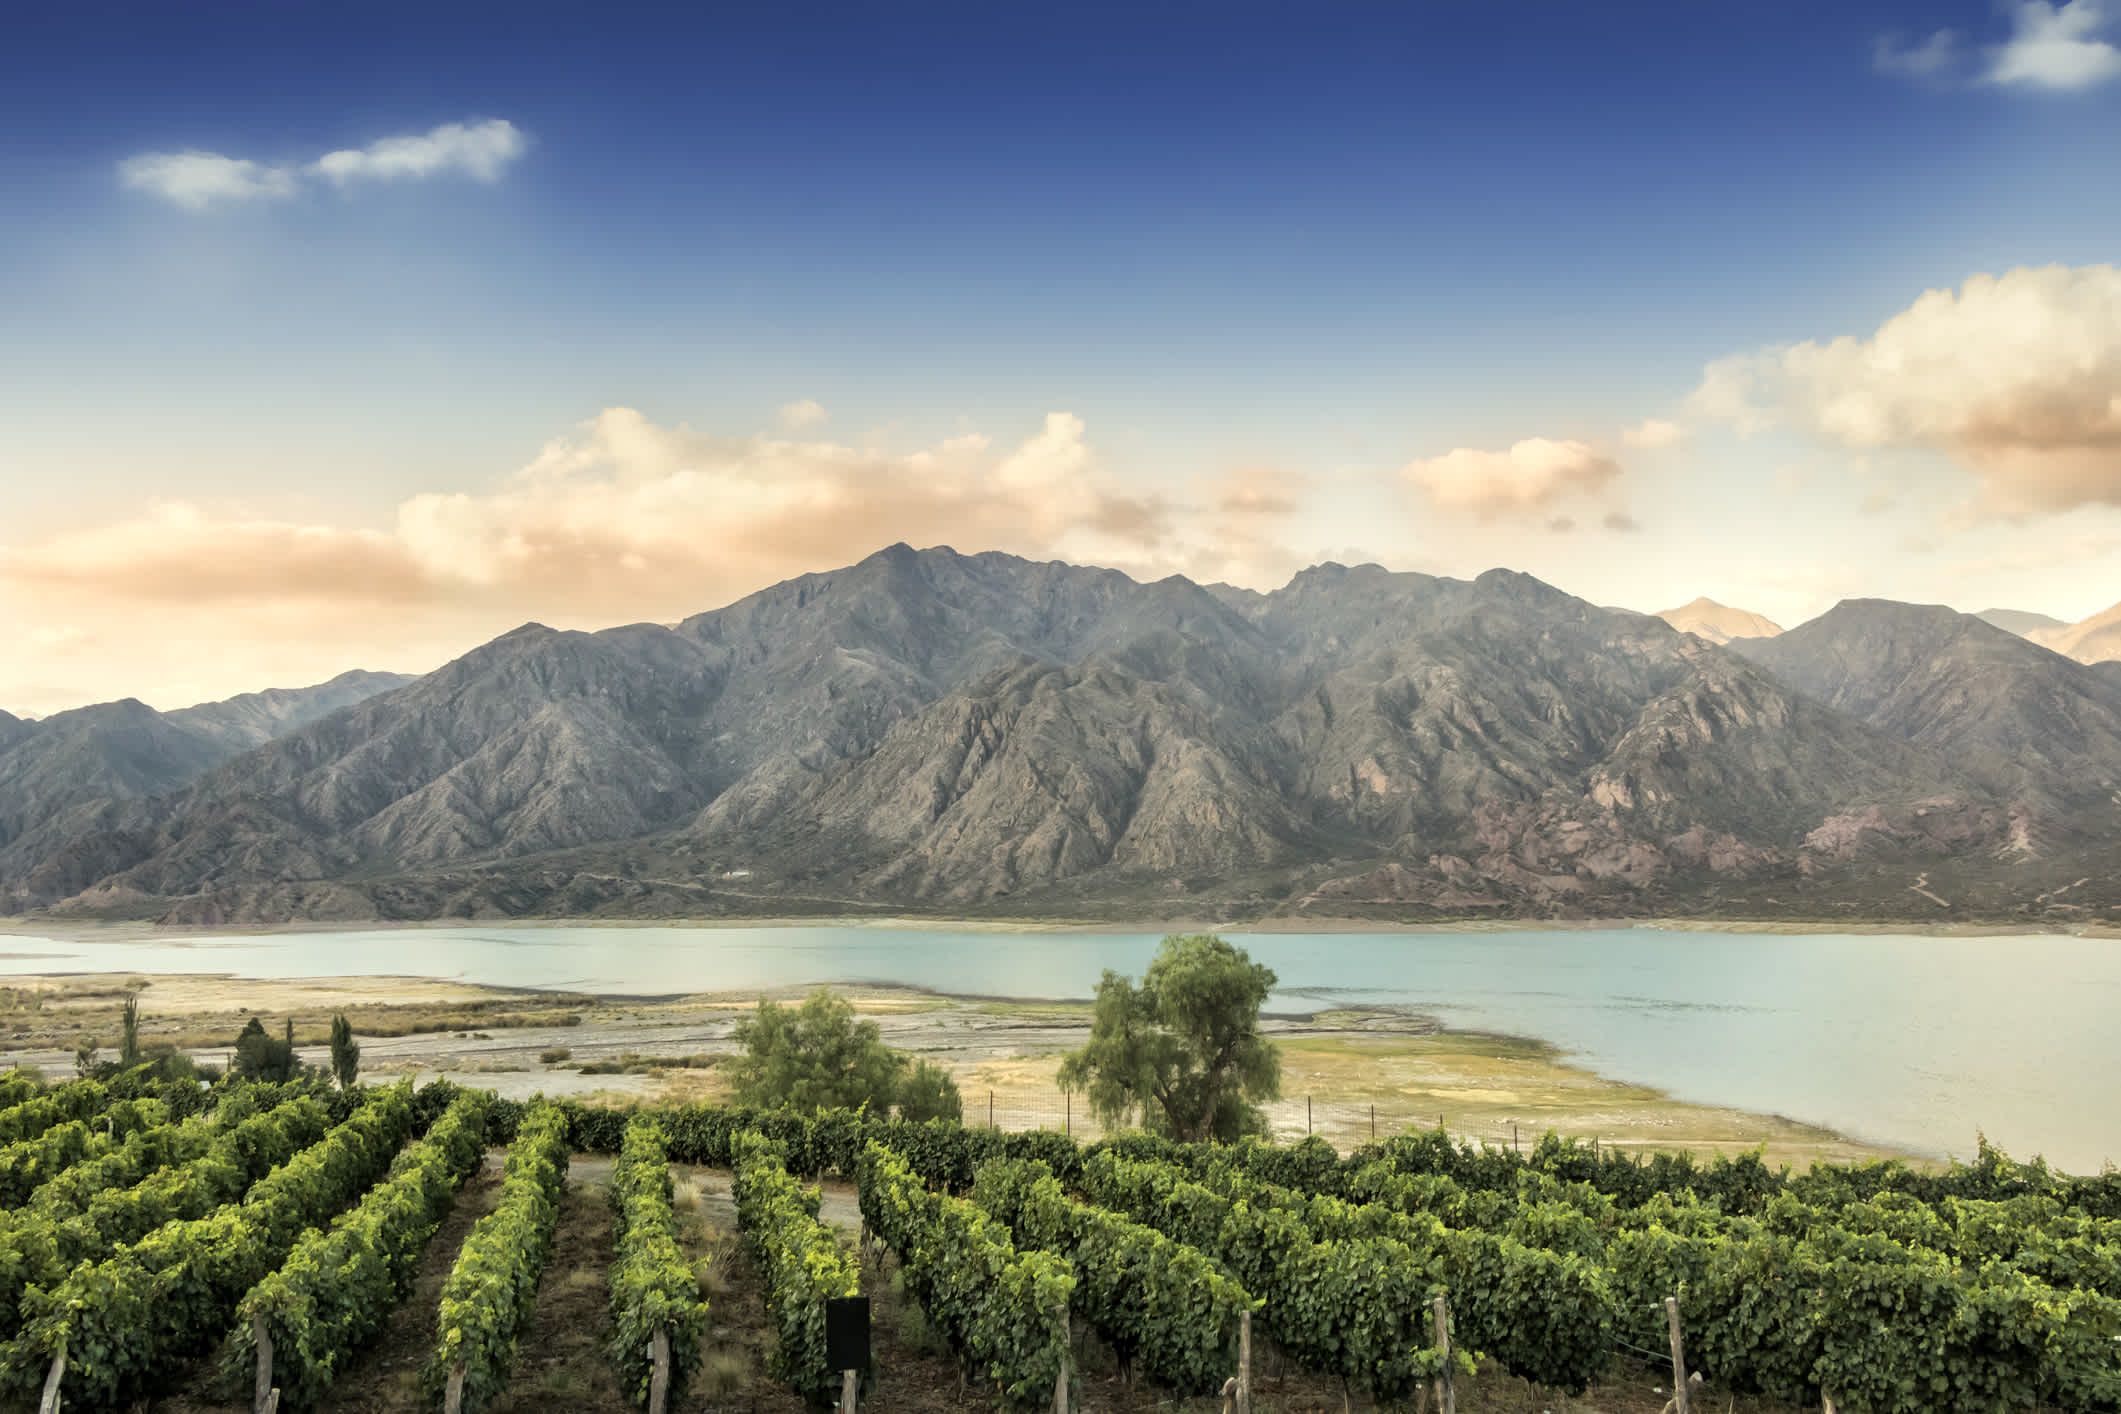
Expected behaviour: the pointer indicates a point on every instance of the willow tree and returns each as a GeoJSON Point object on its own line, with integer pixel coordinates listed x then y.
{"type": "Point", "coordinates": [1183, 1046]}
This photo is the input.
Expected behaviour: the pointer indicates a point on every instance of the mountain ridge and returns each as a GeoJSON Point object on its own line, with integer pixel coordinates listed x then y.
{"type": "Point", "coordinates": [925, 729]}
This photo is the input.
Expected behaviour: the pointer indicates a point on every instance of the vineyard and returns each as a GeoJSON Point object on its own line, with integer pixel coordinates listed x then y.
{"type": "Point", "coordinates": [257, 1242]}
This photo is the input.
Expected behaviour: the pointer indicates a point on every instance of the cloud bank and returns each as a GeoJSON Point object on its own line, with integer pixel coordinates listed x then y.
{"type": "Point", "coordinates": [195, 180]}
{"type": "Point", "coordinates": [2016, 377]}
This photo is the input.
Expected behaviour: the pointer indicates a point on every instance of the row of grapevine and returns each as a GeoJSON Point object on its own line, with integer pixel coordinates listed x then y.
{"type": "Point", "coordinates": [143, 1146]}
{"type": "Point", "coordinates": [652, 1286]}
{"type": "Point", "coordinates": [1003, 1311]}
{"type": "Point", "coordinates": [1156, 1302]}
{"type": "Point", "coordinates": [948, 1154]}
{"type": "Point", "coordinates": [1357, 1308]}
{"type": "Point", "coordinates": [340, 1283]}
{"type": "Point", "coordinates": [1348, 1290]}
{"type": "Point", "coordinates": [18, 1085]}
{"type": "Point", "coordinates": [42, 1248]}
{"type": "Point", "coordinates": [29, 1164]}
{"type": "Point", "coordinates": [1882, 1327]}
{"type": "Point", "coordinates": [798, 1259]}
{"type": "Point", "coordinates": [487, 1299]}
{"type": "Point", "coordinates": [125, 1321]}
{"type": "Point", "coordinates": [29, 1118]}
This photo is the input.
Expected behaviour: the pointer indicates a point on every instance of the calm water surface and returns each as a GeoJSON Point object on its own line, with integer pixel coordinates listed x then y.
{"type": "Point", "coordinates": [1913, 1041]}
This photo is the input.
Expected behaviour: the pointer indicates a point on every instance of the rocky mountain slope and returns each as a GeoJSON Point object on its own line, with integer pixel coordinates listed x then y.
{"type": "Point", "coordinates": [257, 717]}
{"type": "Point", "coordinates": [2026, 720]}
{"type": "Point", "coordinates": [930, 730]}
{"type": "Point", "coordinates": [1718, 623]}
{"type": "Point", "coordinates": [58, 774]}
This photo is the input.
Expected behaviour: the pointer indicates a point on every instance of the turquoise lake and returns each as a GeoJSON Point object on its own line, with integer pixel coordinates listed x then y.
{"type": "Point", "coordinates": [1907, 1040]}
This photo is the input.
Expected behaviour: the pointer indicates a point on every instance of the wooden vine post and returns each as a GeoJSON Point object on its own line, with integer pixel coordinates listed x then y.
{"type": "Point", "coordinates": [1244, 1362]}
{"type": "Point", "coordinates": [1060, 1381]}
{"type": "Point", "coordinates": [847, 1391]}
{"type": "Point", "coordinates": [49, 1404]}
{"type": "Point", "coordinates": [261, 1388]}
{"type": "Point", "coordinates": [1446, 1397]}
{"type": "Point", "coordinates": [453, 1392]}
{"type": "Point", "coordinates": [658, 1370]}
{"type": "Point", "coordinates": [1679, 1379]}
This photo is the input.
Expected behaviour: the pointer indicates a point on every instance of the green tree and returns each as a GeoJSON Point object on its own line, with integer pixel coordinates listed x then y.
{"type": "Point", "coordinates": [260, 1057]}
{"type": "Point", "coordinates": [345, 1052]}
{"type": "Point", "coordinates": [929, 1092]}
{"type": "Point", "coordinates": [1183, 1048]}
{"type": "Point", "coordinates": [129, 1032]}
{"type": "Point", "coordinates": [814, 1056]}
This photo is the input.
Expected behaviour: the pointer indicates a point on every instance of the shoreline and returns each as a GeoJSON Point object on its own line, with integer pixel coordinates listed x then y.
{"type": "Point", "coordinates": [1348, 1072]}
{"type": "Point", "coordinates": [127, 929]}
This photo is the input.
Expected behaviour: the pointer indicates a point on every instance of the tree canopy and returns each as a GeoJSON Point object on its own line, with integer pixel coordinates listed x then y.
{"type": "Point", "coordinates": [259, 1056]}
{"type": "Point", "coordinates": [345, 1052]}
{"type": "Point", "coordinates": [1183, 1047]}
{"type": "Point", "coordinates": [817, 1055]}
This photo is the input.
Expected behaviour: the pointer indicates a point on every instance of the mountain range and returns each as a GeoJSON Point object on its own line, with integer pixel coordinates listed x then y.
{"type": "Point", "coordinates": [926, 731]}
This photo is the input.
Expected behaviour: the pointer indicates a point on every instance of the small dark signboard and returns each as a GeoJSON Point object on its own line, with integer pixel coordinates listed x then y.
{"type": "Point", "coordinates": [847, 1333]}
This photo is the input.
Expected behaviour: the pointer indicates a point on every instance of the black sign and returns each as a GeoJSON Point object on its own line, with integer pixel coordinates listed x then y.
{"type": "Point", "coordinates": [847, 1333]}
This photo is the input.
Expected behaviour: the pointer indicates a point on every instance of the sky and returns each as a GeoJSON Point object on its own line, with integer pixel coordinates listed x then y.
{"type": "Point", "coordinates": [343, 337]}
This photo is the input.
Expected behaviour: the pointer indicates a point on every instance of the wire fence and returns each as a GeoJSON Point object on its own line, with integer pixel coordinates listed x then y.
{"type": "Point", "coordinates": [1345, 1124]}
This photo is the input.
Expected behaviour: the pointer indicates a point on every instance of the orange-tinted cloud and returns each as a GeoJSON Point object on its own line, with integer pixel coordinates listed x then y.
{"type": "Point", "coordinates": [2016, 377]}
{"type": "Point", "coordinates": [620, 520]}
{"type": "Point", "coordinates": [1529, 477]}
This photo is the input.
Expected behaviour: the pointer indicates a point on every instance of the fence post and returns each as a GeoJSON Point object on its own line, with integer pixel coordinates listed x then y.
{"type": "Point", "coordinates": [658, 1370]}
{"type": "Point", "coordinates": [453, 1393]}
{"type": "Point", "coordinates": [1244, 1362]}
{"type": "Point", "coordinates": [847, 1379]}
{"type": "Point", "coordinates": [1067, 1111]}
{"type": "Point", "coordinates": [49, 1404]}
{"type": "Point", "coordinates": [272, 1402]}
{"type": "Point", "coordinates": [261, 1388]}
{"type": "Point", "coordinates": [1446, 1397]}
{"type": "Point", "coordinates": [1679, 1384]}
{"type": "Point", "coordinates": [1307, 1114]}
{"type": "Point", "coordinates": [1373, 1124]}
{"type": "Point", "coordinates": [1514, 1145]}
{"type": "Point", "coordinates": [990, 1109]}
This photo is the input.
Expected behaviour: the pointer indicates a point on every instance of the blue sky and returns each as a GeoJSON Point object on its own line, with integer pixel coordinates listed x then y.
{"type": "Point", "coordinates": [1274, 267]}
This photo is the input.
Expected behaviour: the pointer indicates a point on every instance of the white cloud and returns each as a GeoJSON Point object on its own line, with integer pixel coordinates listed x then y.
{"type": "Point", "coordinates": [1932, 58]}
{"type": "Point", "coordinates": [477, 150]}
{"type": "Point", "coordinates": [2017, 377]}
{"type": "Point", "coordinates": [1653, 433]}
{"type": "Point", "coordinates": [1529, 476]}
{"type": "Point", "coordinates": [798, 415]}
{"type": "Point", "coordinates": [2056, 46]}
{"type": "Point", "coordinates": [195, 180]}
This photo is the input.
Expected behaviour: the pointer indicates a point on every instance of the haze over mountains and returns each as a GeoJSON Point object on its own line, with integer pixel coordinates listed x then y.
{"type": "Point", "coordinates": [1718, 623]}
{"type": "Point", "coordinates": [2093, 640]}
{"type": "Point", "coordinates": [926, 730]}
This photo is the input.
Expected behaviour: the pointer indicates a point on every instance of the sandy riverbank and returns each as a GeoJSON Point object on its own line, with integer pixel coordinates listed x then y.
{"type": "Point", "coordinates": [1345, 1073]}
